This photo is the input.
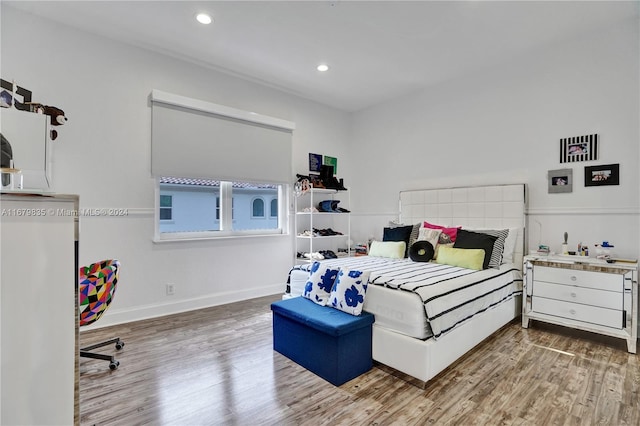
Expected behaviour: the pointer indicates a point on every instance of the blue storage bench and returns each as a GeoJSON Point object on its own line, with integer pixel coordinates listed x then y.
{"type": "Point", "coordinates": [332, 344]}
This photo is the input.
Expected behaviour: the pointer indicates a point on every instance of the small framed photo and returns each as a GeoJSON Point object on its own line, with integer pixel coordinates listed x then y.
{"type": "Point", "coordinates": [331, 161]}
{"type": "Point", "coordinates": [315, 161]}
{"type": "Point", "coordinates": [560, 181]}
{"type": "Point", "coordinates": [607, 174]}
{"type": "Point", "coordinates": [579, 148]}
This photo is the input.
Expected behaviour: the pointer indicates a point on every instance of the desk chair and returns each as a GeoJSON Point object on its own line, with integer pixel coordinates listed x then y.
{"type": "Point", "coordinates": [97, 285]}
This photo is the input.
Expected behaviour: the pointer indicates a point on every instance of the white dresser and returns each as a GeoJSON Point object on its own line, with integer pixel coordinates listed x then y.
{"type": "Point", "coordinates": [582, 293]}
{"type": "Point", "coordinates": [39, 309]}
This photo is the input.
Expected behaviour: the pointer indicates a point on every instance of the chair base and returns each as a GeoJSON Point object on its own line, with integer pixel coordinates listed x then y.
{"type": "Point", "coordinates": [113, 363]}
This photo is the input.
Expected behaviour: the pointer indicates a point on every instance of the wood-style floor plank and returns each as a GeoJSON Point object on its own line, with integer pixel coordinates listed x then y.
{"type": "Point", "coordinates": [216, 366]}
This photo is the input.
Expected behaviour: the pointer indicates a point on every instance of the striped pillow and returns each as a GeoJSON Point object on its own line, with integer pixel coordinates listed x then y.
{"type": "Point", "coordinates": [498, 246]}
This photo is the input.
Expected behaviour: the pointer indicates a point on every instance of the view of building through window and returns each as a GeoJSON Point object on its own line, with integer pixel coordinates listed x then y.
{"type": "Point", "coordinates": [199, 205]}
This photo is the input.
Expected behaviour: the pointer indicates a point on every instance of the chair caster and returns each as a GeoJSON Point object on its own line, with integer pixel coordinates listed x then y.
{"type": "Point", "coordinates": [114, 365]}
{"type": "Point", "coordinates": [119, 345]}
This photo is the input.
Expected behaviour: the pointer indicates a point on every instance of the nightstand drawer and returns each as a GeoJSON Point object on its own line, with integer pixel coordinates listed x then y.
{"type": "Point", "coordinates": [597, 280]}
{"type": "Point", "coordinates": [585, 296]}
{"type": "Point", "coordinates": [577, 312]}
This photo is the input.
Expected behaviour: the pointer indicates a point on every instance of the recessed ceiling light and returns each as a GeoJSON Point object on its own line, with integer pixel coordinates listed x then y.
{"type": "Point", "coordinates": [323, 67]}
{"type": "Point", "coordinates": [203, 18]}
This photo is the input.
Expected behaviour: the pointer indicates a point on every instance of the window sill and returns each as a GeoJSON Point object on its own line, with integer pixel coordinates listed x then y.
{"type": "Point", "coordinates": [208, 237]}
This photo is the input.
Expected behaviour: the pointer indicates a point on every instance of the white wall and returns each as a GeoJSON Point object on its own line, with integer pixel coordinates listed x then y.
{"type": "Point", "coordinates": [503, 125]}
{"type": "Point", "coordinates": [103, 154]}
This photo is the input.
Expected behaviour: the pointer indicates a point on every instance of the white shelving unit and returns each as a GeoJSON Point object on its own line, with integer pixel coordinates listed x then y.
{"type": "Point", "coordinates": [307, 219]}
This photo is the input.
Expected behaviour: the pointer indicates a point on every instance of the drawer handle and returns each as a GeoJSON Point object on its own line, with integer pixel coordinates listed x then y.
{"type": "Point", "coordinates": [573, 278]}
{"type": "Point", "coordinates": [572, 312]}
{"type": "Point", "coordinates": [573, 295]}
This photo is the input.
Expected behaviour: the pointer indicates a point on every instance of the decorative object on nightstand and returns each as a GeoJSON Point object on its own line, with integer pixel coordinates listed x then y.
{"type": "Point", "coordinates": [565, 245]}
{"type": "Point", "coordinates": [543, 250]}
{"type": "Point", "coordinates": [582, 293]}
{"type": "Point", "coordinates": [603, 251]}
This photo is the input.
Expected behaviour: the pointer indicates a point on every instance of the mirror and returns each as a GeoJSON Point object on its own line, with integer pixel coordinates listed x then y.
{"type": "Point", "coordinates": [27, 134]}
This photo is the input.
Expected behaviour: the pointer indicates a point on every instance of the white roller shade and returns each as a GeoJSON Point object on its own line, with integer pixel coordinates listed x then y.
{"type": "Point", "coordinates": [193, 138]}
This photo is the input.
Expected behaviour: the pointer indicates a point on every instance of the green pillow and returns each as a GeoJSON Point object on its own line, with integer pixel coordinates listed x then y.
{"type": "Point", "coordinates": [392, 249]}
{"type": "Point", "coordinates": [463, 258]}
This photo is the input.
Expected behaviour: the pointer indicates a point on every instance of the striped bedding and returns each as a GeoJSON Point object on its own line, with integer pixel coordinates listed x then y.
{"type": "Point", "coordinates": [450, 295]}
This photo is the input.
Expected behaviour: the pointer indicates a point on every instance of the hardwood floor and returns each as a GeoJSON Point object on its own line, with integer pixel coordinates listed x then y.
{"type": "Point", "coordinates": [216, 366]}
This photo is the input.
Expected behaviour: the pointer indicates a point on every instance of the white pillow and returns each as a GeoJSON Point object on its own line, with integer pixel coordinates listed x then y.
{"type": "Point", "coordinates": [349, 290]}
{"type": "Point", "coordinates": [391, 249]}
{"type": "Point", "coordinates": [431, 235]}
{"type": "Point", "coordinates": [318, 287]}
{"type": "Point", "coordinates": [510, 245]}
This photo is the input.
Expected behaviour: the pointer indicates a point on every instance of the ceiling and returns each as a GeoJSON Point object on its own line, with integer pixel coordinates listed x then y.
{"type": "Point", "coordinates": [376, 50]}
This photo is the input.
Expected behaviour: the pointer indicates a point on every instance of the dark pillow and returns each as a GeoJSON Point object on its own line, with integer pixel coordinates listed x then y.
{"type": "Point", "coordinates": [421, 251]}
{"type": "Point", "coordinates": [399, 233]}
{"type": "Point", "coordinates": [414, 232]}
{"type": "Point", "coordinates": [475, 240]}
{"type": "Point", "coordinates": [501, 236]}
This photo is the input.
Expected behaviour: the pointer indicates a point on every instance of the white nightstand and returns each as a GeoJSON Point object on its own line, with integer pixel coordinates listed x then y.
{"type": "Point", "coordinates": [582, 293]}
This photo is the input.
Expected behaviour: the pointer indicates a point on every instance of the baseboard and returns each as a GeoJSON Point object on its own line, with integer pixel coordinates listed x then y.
{"type": "Point", "coordinates": [115, 316]}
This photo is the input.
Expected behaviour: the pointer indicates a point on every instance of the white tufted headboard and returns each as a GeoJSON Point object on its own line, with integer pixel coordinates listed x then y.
{"type": "Point", "coordinates": [491, 207]}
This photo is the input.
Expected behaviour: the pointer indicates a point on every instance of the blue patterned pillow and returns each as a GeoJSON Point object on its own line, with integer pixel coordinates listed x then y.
{"type": "Point", "coordinates": [318, 287]}
{"type": "Point", "coordinates": [349, 290]}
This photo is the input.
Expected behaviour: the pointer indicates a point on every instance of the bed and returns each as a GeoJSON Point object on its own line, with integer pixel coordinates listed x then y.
{"type": "Point", "coordinates": [427, 314]}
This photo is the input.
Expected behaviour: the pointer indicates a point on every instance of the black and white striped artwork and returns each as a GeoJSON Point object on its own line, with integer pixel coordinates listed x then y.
{"type": "Point", "coordinates": [579, 148]}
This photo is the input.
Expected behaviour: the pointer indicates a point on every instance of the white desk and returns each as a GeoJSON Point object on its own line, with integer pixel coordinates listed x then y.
{"type": "Point", "coordinates": [38, 309]}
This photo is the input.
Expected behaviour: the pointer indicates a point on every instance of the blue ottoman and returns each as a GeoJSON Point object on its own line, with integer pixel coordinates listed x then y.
{"type": "Point", "coordinates": [332, 344]}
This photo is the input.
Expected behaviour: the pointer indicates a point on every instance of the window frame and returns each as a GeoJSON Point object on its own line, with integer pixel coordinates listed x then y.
{"type": "Point", "coordinates": [170, 208]}
{"type": "Point", "coordinates": [226, 215]}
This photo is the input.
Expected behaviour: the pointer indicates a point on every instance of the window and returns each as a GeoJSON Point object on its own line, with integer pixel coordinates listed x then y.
{"type": "Point", "coordinates": [257, 208]}
{"type": "Point", "coordinates": [218, 208]}
{"type": "Point", "coordinates": [204, 208]}
{"type": "Point", "coordinates": [199, 158]}
{"type": "Point", "coordinates": [165, 207]}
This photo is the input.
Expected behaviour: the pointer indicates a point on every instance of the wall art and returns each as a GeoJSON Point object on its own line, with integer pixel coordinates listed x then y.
{"type": "Point", "coordinates": [560, 181]}
{"type": "Point", "coordinates": [579, 148]}
{"type": "Point", "coordinates": [607, 174]}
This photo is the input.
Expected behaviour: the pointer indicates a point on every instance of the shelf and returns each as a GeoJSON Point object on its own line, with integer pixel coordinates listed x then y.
{"type": "Point", "coordinates": [307, 219]}
{"type": "Point", "coordinates": [321, 213]}
{"type": "Point", "coordinates": [319, 237]}
{"type": "Point", "coordinates": [322, 191]}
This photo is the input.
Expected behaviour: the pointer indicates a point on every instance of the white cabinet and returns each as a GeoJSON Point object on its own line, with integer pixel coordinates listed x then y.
{"type": "Point", "coordinates": [39, 310]}
{"type": "Point", "coordinates": [582, 293]}
{"type": "Point", "coordinates": [318, 230]}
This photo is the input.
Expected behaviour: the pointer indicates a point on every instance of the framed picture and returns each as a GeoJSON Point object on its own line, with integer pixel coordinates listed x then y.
{"type": "Point", "coordinates": [331, 161]}
{"type": "Point", "coordinates": [607, 174]}
{"type": "Point", "coordinates": [579, 148]}
{"type": "Point", "coordinates": [560, 181]}
{"type": "Point", "coordinates": [315, 161]}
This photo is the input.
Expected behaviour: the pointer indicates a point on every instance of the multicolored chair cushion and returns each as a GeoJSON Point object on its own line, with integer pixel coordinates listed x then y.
{"type": "Point", "coordinates": [97, 285]}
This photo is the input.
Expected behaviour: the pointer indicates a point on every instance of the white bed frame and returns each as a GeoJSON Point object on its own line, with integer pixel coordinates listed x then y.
{"type": "Point", "coordinates": [491, 207]}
